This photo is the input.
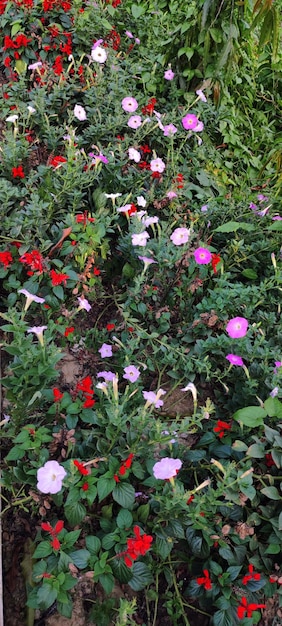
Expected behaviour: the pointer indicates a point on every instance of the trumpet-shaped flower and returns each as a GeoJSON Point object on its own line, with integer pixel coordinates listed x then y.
{"type": "Point", "coordinates": [180, 236]}
{"type": "Point", "coordinates": [202, 256]}
{"type": "Point", "coordinates": [99, 54]}
{"type": "Point", "coordinates": [80, 113]}
{"type": "Point", "coordinates": [166, 468]}
{"type": "Point", "coordinates": [154, 398]}
{"type": "Point", "coordinates": [38, 331]}
{"type": "Point", "coordinates": [140, 239]}
{"type": "Point", "coordinates": [234, 359]}
{"type": "Point", "coordinates": [30, 297]}
{"type": "Point", "coordinates": [106, 350]}
{"type": "Point", "coordinates": [157, 165]}
{"type": "Point", "coordinates": [169, 74]}
{"type": "Point", "coordinates": [50, 477]}
{"type": "Point", "coordinates": [190, 121]}
{"type": "Point", "coordinates": [84, 304]}
{"type": "Point", "coordinates": [131, 373]}
{"type": "Point", "coordinates": [134, 121]}
{"type": "Point", "coordinates": [237, 327]}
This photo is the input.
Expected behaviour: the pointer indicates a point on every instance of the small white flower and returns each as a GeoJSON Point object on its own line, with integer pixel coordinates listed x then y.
{"type": "Point", "coordinates": [99, 54]}
{"type": "Point", "coordinates": [12, 118]}
{"type": "Point", "coordinates": [80, 113]}
{"type": "Point", "coordinates": [134, 155]}
{"type": "Point", "coordinates": [113, 196]}
{"type": "Point", "coordinates": [141, 201]}
{"type": "Point", "coordinates": [31, 109]}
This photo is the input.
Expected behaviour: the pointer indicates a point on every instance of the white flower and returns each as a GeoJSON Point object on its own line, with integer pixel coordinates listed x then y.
{"type": "Point", "coordinates": [50, 477]}
{"type": "Point", "coordinates": [80, 113]}
{"type": "Point", "coordinates": [140, 239]}
{"type": "Point", "coordinates": [38, 331]}
{"type": "Point", "coordinates": [113, 196]}
{"type": "Point", "coordinates": [148, 221]}
{"type": "Point", "coordinates": [157, 165]}
{"type": "Point", "coordinates": [134, 155]}
{"type": "Point", "coordinates": [12, 118]}
{"type": "Point", "coordinates": [141, 201]}
{"type": "Point", "coordinates": [84, 304]}
{"type": "Point", "coordinates": [30, 297]}
{"type": "Point", "coordinates": [31, 109]}
{"type": "Point", "coordinates": [99, 54]}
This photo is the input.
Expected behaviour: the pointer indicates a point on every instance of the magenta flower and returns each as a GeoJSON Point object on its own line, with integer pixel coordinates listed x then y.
{"type": "Point", "coordinates": [171, 194]}
{"type": "Point", "coordinates": [277, 365]}
{"type": "Point", "coordinates": [140, 239]}
{"type": "Point", "coordinates": [134, 121]}
{"type": "Point", "coordinates": [131, 373]}
{"type": "Point", "coordinates": [190, 121]}
{"type": "Point", "coordinates": [50, 477]}
{"type": "Point", "coordinates": [237, 327]}
{"type": "Point", "coordinates": [202, 256]}
{"type": "Point", "coordinates": [129, 104]}
{"type": "Point", "coordinates": [80, 113]}
{"type": "Point", "coordinates": [157, 165]}
{"type": "Point", "coordinates": [106, 350]}
{"type": "Point", "coordinates": [154, 398]}
{"type": "Point", "coordinates": [180, 236]}
{"type": "Point", "coordinates": [234, 359]}
{"type": "Point", "coordinates": [199, 128]}
{"type": "Point", "coordinates": [166, 468]}
{"type": "Point", "coordinates": [169, 75]}
{"type": "Point", "coordinates": [169, 130]}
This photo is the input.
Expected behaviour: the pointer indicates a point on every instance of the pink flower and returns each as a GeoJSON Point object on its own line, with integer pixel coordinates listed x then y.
{"type": "Point", "coordinates": [202, 256]}
{"type": "Point", "coordinates": [190, 121]}
{"type": "Point", "coordinates": [171, 194]}
{"type": "Point", "coordinates": [134, 155]}
{"type": "Point", "coordinates": [30, 297]}
{"type": "Point", "coordinates": [180, 236]}
{"type": "Point", "coordinates": [154, 398]}
{"type": "Point", "coordinates": [109, 376]}
{"type": "Point", "coordinates": [129, 104]}
{"type": "Point", "coordinates": [80, 113]}
{"type": "Point", "coordinates": [131, 373]}
{"type": "Point", "coordinates": [201, 95]}
{"type": "Point", "coordinates": [277, 364]}
{"type": "Point", "coordinates": [237, 327]}
{"type": "Point", "coordinates": [106, 350]}
{"type": "Point", "coordinates": [169, 74]}
{"type": "Point", "coordinates": [140, 239]}
{"type": "Point", "coordinates": [157, 165]}
{"type": "Point", "coordinates": [166, 468]}
{"type": "Point", "coordinates": [50, 477]}
{"type": "Point", "coordinates": [134, 121]}
{"type": "Point", "coordinates": [84, 304]}
{"type": "Point", "coordinates": [234, 359]}
{"type": "Point", "coordinates": [169, 130]}
{"type": "Point", "coordinates": [147, 261]}
{"type": "Point", "coordinates": [199, 127]}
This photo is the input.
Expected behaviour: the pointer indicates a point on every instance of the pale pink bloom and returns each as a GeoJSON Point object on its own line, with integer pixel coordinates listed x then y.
{"type": "Point", "coordinates": [97, 43]}
{"type": "Point", "coordinates": [237, 327]}
{"type": "Point", "coordinates": [180, 236]}
{"type": "Point", "coordinates": [108, 376]}
{"type": "Point", "coordinates": [30, 297]}
{"type": "Point", "coordinates": [38, 331]}
{"type": "Point", "coordinates": [169, 74]}
{"type": "Point", "coordinates": [190, 121]}
{"type": "Point", "coordinates": [131, 373]}
{"type": "Point", "coordinates": [154, 398]}
{"type": "Point", "coordinates": [99, 54]}
{"type": "Point", "coordinates": [80, 113]}
{"type": "Point", "coordinates": [159, 119]}
{"type": "Point", "coordinates": [234, 359]}
{"type": "Point", "coordinates": [148, 221]}
{"type": "Point", "coordinates": [276, 217]}
{"type": "Point", "coordinates": [157, 165]}
{"type": "Point", "coordinates": [166, 468]}
{"type": "Point", "coordinates": [31, 109]}
{"type": "Point", "coordinates": [169, 130]}
{"type": "Point", "coordinates": [50, 477]}
{"type": "Point", "coordinates": [201, 95]}
{"type": "Point", "coordinates": [199, 127]}
{"type": "Point", "coordinates": [129, 34]}
{"type": "Point", "coordinates": [134, 155]}
{"type": "Point", "coordinates": [204, 208]}
{"type": "Point", "coordinates": [141, 201]}
{"type": "Point", "coordinates": [129, 104]}
{"type": "Point", "coordinates": [274, 392]}
{"type": "Point", "coordinates": [134, 121]}
{"type": "Point", "coordinates": [84, 304]}
{"type": "Point", "coordinates": [140, 239]}
{"type": "Point", "coordinates": [106, 350]}
{"type": "Point", "coordinates": [171, 194]}
{"type": "Point", "coordinates": [124, 209]}
{"type": "Point", "coordinates": [12, 118]}
{"type": "Point", "coordinates": [202, 256]}
{"type": "Point", "coordinates": [34, 66]}
{"type": "Point", "coordinates": [147, 261]}
{"type": "Point", "coordinates": [137, 40]}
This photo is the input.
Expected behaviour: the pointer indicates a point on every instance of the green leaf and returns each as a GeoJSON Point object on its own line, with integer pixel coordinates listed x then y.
{"type": "Point", "coordinates": [231, 226]}
{"type": "Point", "coordinates": [124, 494]}
{"type": "Point", "coordinates": [137, 10]}
{"type": "Point", "coordinates": [280, 521]}
{"type": "Point", "coordinates": [271, 492]}
{"type": "Point", "coordinates": [124, 519]}
{"type": "Point", "coordinates": [93, 544]}
{"type": "Point", "coordinates": [223, 618]}
{"type": "Point", "coordinates": [43, 549]}
{"type": "Point", "coordinates": [107, 581]}
{"type": "Point", "coordinates": [163, 547]}
{"type": "Point", "coordinates": [256, 450]}
{"type": "Point", "coordinates": [16, 28]}
{"type": "Point", "coordinates": [46, 596]}
{"type": "Point", "coordinates": [75, 513]}
{"type": "Point", "coordinates": [277, 225]}
{"type": "Point", "coordinates": [239, 446]}
{"type": "Point", "coordinates": [70, 538]}
{"type": "Point", "coordinates": [251, 416]}
{"type": "Point", "coordinates": [249, 273]}
{"type": "Point", "coordinates": [141, 576]}
{"type": "Point", "coordinates": [273, 548]}
{"type": "Point", "coordinates": [273, 407]}
{"type": "Point", "coordinates": [15, 453]}
{"type": "Point", "coordinates": [80, 558]}
{"type": "Point", "coordinates": [121, 571]}
{"type": "Point", "coordinates": [143, 512]}
{"type": "Point", "coordinates": [105, 486]}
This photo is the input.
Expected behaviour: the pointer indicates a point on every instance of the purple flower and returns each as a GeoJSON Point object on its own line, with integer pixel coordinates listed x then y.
{"type": "Point", "coordinates": [134, 121]}
{"type": "Point", "coordinates": [234, 359]}
{"type": "Point", "coordinates": [277, 217]}
{"type": "Point", "coordinates": [277, 365]}
{"type": "Point", "coordinates": [199, 127]}
{"type": "Point", "coordinates": [38, 331]}
{"type": "Point", "coordinates": [149, 220]}
{"type": "Point", "coordinates": [147, 261]}
{"type": "Point", "coordinates": [141, 201]}
{"type": "Point", "coordinates": [30, 297]}
{"type": "Point", "coordinates": [106, 350]}
{"type": "Point", "coordinates": [190, 121]}
{"type": "Point", "coordinates": [84, 304]}
{"type": "Point", "coordinates": [154, 398]}
{"type": "Point", "coordinates": [253, 206]}
{"type": "Point", "coordinates": [274, 392]}
{"type": "Point", "coordinates": [50, 477]}
{"type": "Point", "coordinates": [129, 34]}
{"type": "Point", "coordinates": [169, 74]}
{"type": "Point", "coordinates": [140, 239]}
{"type": "Point", "coordinates": [201, 95]}
{"type": "Point", "coordinates": [99, 54]}
{"type": "Point", "coordinates": [109, 376]}
{"type": "Point", "coordinates": [166, 468]}
{"type": "Point", "coordinates": [180, 236]}
{"type": "Point", "coordinates": [237, 327]}
{"type": "Point", "coordinates": [80, 113]}
{"type": "Point", "coordinates": [169, 130]}
{"type": "Point", "coordinates": [204, 208]}
{"type": "Point", "coordinates": [262, 198]}
{"type": "Point", "coordinates": [202, 256]}
{"type": "Point", "coordinates": [171, 194]}
{"type": "Point", "coordinates": [129, 104]}
{"type": "Point", "coordinates": [132, 373]}
{"type": "Point", "coordinates": [157, 165]}
{"type": "Point", "coordinates": [100, 158]}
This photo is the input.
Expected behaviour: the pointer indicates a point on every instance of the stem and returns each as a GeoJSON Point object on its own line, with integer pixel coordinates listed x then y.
{"type": "Point", "coordinates": [156, 601]}
{"type": "Point", "coordinates": [178, 594]}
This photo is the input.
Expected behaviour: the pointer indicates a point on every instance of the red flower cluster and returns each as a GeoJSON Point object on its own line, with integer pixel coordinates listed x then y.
{"type": "Point", "coordinates": [124, 466]}
{"type": "Point", "coordinates": [246, 610]}
{"type": "Point", "coordinates": [6, 258]}
{"type": "Point", "coordinates": [137, 546]}
{"type": "Point", "coordinates": [179, 181]}
{"type": "Point", "coordinates": [88, 392]}
{"type": "Point", "coordinates": [21, 41]}
{"type": "Point", "coordinates": [114, 38]}
{"type": "Point", "coordinates": [110, 327]}
{"type": "Point", "coordinates": [81, 468]}
{"type": "Point", "coordinates": [34, 260]}
{"type": "Point", "coordinates": [205, 580]}
{"type": "Point", "coordinates": [251, 576]}
{"type": "Point", "coordinates": [221, 427]}
{"type": "Point", "coordinates": [69, 330]}
{"type": "Point", "coordinates": [58, 279]}
{"type": "Point", "coordinates": [54, 532]}
{"type": "Point", "coordinates": [83, 218]}
{"type": "Point", "coordinates": [57, 394]}
{"type": "Point", "coordinates": [56, 161]}
{"type": "Point", "coordinates": [269, 460]}
{"type": "Point", "coordinates": [148, 109]}
{"type": "Point", "coordinates": [215, 260]}
{"type": "Point", "coordinates": [17, 172]}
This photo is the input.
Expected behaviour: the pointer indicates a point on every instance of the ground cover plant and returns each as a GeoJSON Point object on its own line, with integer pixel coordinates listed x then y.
{"type": "Point", "coordinates": [141, 239]}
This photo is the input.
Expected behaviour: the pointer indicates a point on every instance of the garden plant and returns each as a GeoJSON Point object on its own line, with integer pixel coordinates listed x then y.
{"type": "Point", "coordinates": [140, 153]}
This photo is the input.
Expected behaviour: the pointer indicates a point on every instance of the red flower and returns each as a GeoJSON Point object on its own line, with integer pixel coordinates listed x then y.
{"type": "Point", "coordinates": [85, 386]}
{"type": "Point", "coordinates": [245, 608]}
{"type": "Point", "coordinates": [89, 402]}
{"type": "Point", "coordinates": [251, 576]}
{"type": "Point", "coordinates": [110, 327]}
{"type": "Point", "coordinates": [149, 108]}
{"type": "Point", "coordinates": [190, 499]}
{"type": "Point", "coordinates": [57, 394]}
{"type": "Point", "coordinates": [83, 218]}
{"type": "Point", "coordinates": [137, 546]}
{"type": "Point", "coordinates": [124, 466]}
{"type": "Point", "coordinates": [221, 427]}
{"type": "Point", "coordinates": [56, 161]}
{"type": "Point", "coordinates": [34, 260]}
{"type": "Point", "coordinates": [133, 209]}
{"type": "Point", "coordinates": [17, 172]}
{"type": "Point", "coordinates": [21, 41]}
{"type": "Point", "coordinates": [96, 271]}
{"type": "Point", "coordinates": [156, 175]}
{"type": "Point", "coordinates": [85, 487]}
{"type": "Point", "coordinates": [81, 468]}
{"type": "Point", "coordinates": [269, 460]}
{"type": "Point", "coordinates": [6, 258]}
{"type": "Point", "coordinates": [58, 279]}
{"type": "Point", "coordinates": [143, 165]}
{"type": "Point", "coordinates": [145, 149]}
{"type": "Point", "coordinates": [69, 330]}
{"type": "Point", "coordinates": [54, 532]}
{"type": "Point", "coordinates": [215, 260]}
{"type": "Point", "coordinates": [205, 580]}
